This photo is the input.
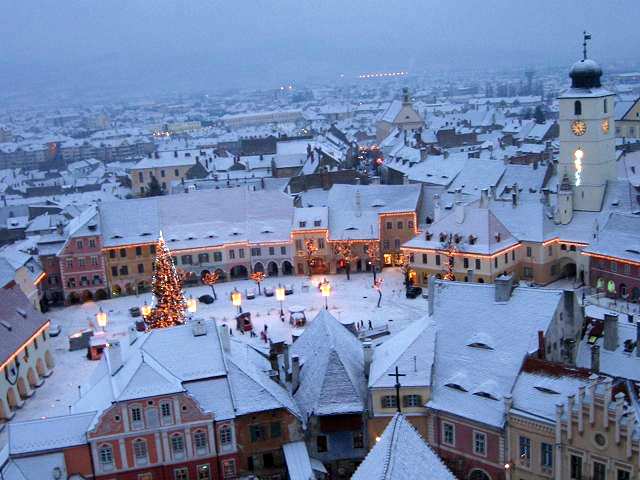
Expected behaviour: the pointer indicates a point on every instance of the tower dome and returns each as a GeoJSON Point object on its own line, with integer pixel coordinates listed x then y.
{"type": "Point", "coordinates": [585, 74]}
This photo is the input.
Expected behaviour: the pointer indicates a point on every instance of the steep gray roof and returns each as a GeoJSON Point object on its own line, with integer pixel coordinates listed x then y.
{"type": "Point", "coordinates": [18, 320]}
{"type": "Point", "coordinates": [401, 454]}
{"type": "Point", "coordinates": [332, 375]}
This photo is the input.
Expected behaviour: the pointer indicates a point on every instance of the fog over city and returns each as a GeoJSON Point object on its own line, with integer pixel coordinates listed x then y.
{"type": "Point", "coordinates": [135, 45]}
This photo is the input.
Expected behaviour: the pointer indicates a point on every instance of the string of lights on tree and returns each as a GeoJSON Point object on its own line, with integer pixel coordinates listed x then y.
{"type": "Point", "coordinates": [169, 303]}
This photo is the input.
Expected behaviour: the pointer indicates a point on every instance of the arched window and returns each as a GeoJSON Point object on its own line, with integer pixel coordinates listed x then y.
{"type": "Point", "coordinates": [600, 283]}
{"type": "Point", "coordinates": [225, 435]}
{"type": "Point", "coordinates": [177, 445]}
{"type": "Point", "coordinates": [606, 106]}
{"type": "Point", "coordinates": [577, 107]}
{"type": "Point", "coordinates": [624, 293]}
{"type": "Point", "coordinates": [105, 456]}
{"type": "Point", "coordinates": [200, 442]}
{"type": "Point", "coordinates": [140, 451]}
{"type": "Point", "coordinates": [611, 286]}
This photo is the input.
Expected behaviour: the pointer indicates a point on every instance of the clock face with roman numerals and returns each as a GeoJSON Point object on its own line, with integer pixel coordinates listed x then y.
{"type": "Point", "coordinates": [605, 125]}
{"type": "Point", "coordinates": [578, 127]}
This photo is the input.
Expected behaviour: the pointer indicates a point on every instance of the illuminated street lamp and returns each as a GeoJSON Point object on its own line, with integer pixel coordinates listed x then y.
{"type": "Point", "coordinates": [325, 288]}
{"type": "Point", "coordinates": [280, 297]}
{"type": "Point", "coordinates": [145, 309]}
{"type": "Point", "coordinates": [101, 318]}
{"type": "Point", "coordinates": [192, 306]}
{"type": "Point", "coordinates": [236, 299]}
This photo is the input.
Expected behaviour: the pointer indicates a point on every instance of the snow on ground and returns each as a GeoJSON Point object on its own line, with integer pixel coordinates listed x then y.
{"type": "Point", "coordinates": [350, 301]}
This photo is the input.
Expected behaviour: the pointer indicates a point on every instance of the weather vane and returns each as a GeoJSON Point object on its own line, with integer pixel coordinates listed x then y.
{"type": "Point", "coordinates": [586, 36]}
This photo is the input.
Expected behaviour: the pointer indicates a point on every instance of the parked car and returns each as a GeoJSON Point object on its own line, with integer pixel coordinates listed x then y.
{"type": "Point", "coordinates": [268, 291]}
{"type": "Point", "coordinates": [288, 289]}
{"type": "Point", "coordinates": [251, 294]}
{"type": "Point", "coordinates": [414, 292]}
{"type": "Point", "coordinates": [135, 311]}
{"type": "Point", "coordinates": [141, 326]}
{"type": "Point", "coordinates": [208, 299]}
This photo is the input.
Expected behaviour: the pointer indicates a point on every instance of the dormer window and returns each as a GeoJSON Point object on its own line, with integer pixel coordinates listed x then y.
{"type": "Point", "coordinates": [546, 390]}
{"type": "Point", "coordinates": [455, 386]}
{"type": "Point", "coordinates": [480, 345]}
{"type": "Point", "coordinates": [485, 395]}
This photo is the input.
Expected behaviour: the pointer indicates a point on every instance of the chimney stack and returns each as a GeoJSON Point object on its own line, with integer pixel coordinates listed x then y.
{"type": "Point", "coordinates": [459, 212]}
{"type": "Point", "coordinates": [484, 198]}
{"type": "Point", "coordinates": [541, 348]}
{"type": "Point", "coordinates": [437, 208]}
{"type": "Point", "coordinates": [225, 340]}
{"type": "Point", "coordinates": [503, 287]}
{"type": "Point", "coordinates": [610, 331]}
{"type": "Point", "coordinates": [295, 373]}
{"type": "Point", "coordinates": [198, 327]}
{"type": "Point", "coordinates": [595, 358]}
{"type": "Point", "coordinates": [114, 357]}
{"type": "Point", "coordinates": [367, 348]}
{"type": "Point", "coordinates": [432, 293]}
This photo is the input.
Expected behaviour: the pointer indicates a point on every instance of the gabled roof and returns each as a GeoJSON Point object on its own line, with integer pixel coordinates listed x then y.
{"type": "Point", "coordinates": [489, 234]}
{"type": "Point", "coordinates": [149, 380]}
{"type": "Point", "coordinates": [401, 454]}
{"type": "Point", "coordinates": [46, 434]}
{"type": "Point", "coordinates": [412, 350]}
{"type": "Point", "coordinates": [19, 321]}
{"type": "Point", "coordinates": [332, 374]}
{"type": "Point", "coordinates": [254, 391]}
{"type": "Point", "coordinates": [482, 344]}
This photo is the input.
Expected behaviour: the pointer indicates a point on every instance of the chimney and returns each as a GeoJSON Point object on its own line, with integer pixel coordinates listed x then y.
{"type": "Point", "coordinates": [503, 287]}
{"type": "Point", "coordinates": [198, 327]}
{"type": "Point", "coordinates": [367, 348]}
{"type": "Point", "coordinates": [459, 212]}
{"type": "Point", "coordinates": [638, 339]}
{"type": "Point", "coordinates": [437, 208]}
{"type": "Point", "coordinates": [225, 340]}
{"type": "Point", "coordinates": [610, 331]}
{"type": "Point", "coordinates": [114, 356]}
{"type": "Point", "coordinates": [133, 334]}
{"type": "Point", "coordinates": [295, 373]}
{"type": "Point", "coordinates": [514, 199]}
{"type": "Point", "coordinates": [595, 358]}
{"type": "Point", "coordinates": [541, 348]}
{"type": "Point", "coordinates": [484, 198]}
{"type": "Point", "coordinates": [431, 291]}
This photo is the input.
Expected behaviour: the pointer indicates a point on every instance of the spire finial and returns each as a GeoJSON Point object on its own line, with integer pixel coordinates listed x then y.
{"type": "Point", "coordinates": [585, 36]}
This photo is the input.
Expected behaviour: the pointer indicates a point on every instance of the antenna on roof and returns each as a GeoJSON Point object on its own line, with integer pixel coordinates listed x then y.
{"type": "Point", "coordinates": [586, 36]}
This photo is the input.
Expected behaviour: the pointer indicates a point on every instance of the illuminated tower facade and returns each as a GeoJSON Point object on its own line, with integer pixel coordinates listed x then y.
{"type": "Point", "coordinates": [587, 140]}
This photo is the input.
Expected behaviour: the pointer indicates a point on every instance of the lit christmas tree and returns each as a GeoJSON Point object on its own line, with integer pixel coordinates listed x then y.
{"type": "Point", "coordinates": [169, 302]}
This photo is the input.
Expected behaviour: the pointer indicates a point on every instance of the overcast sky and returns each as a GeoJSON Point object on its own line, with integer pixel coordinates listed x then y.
{"type": "Point", "coordinates": [222, 43]}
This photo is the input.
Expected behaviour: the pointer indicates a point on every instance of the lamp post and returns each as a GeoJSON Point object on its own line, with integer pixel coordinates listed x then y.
{"type": "Point", "coordinates": [236, 299]}
{"type": "Point", "coordinates": [325, 288]}
{"type": "Point", "coordinates": [280, 297]}
{"type": "Point", "coordinates": [101, 318]}
{"type": "Point", "coordinates": [145, 309]}
{"type": "Point", "coordinates": [192, 305]}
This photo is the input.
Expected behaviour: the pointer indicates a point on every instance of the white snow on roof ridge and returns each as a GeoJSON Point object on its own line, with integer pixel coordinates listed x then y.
{"type": "Point", "coordinates": [412, 350]}
{"type": "Point", "coordinates": [332, 374]}
{"type": "Point", "coordinates": [401, 454]}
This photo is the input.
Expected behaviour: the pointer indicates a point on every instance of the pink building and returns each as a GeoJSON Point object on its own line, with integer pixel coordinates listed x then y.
{"type": "Point", "coordinates": [81, 262]}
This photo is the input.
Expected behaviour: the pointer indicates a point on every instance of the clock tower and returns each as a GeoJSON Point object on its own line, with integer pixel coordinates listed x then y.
{"type": "Point", "coordinates": [587, 141]}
